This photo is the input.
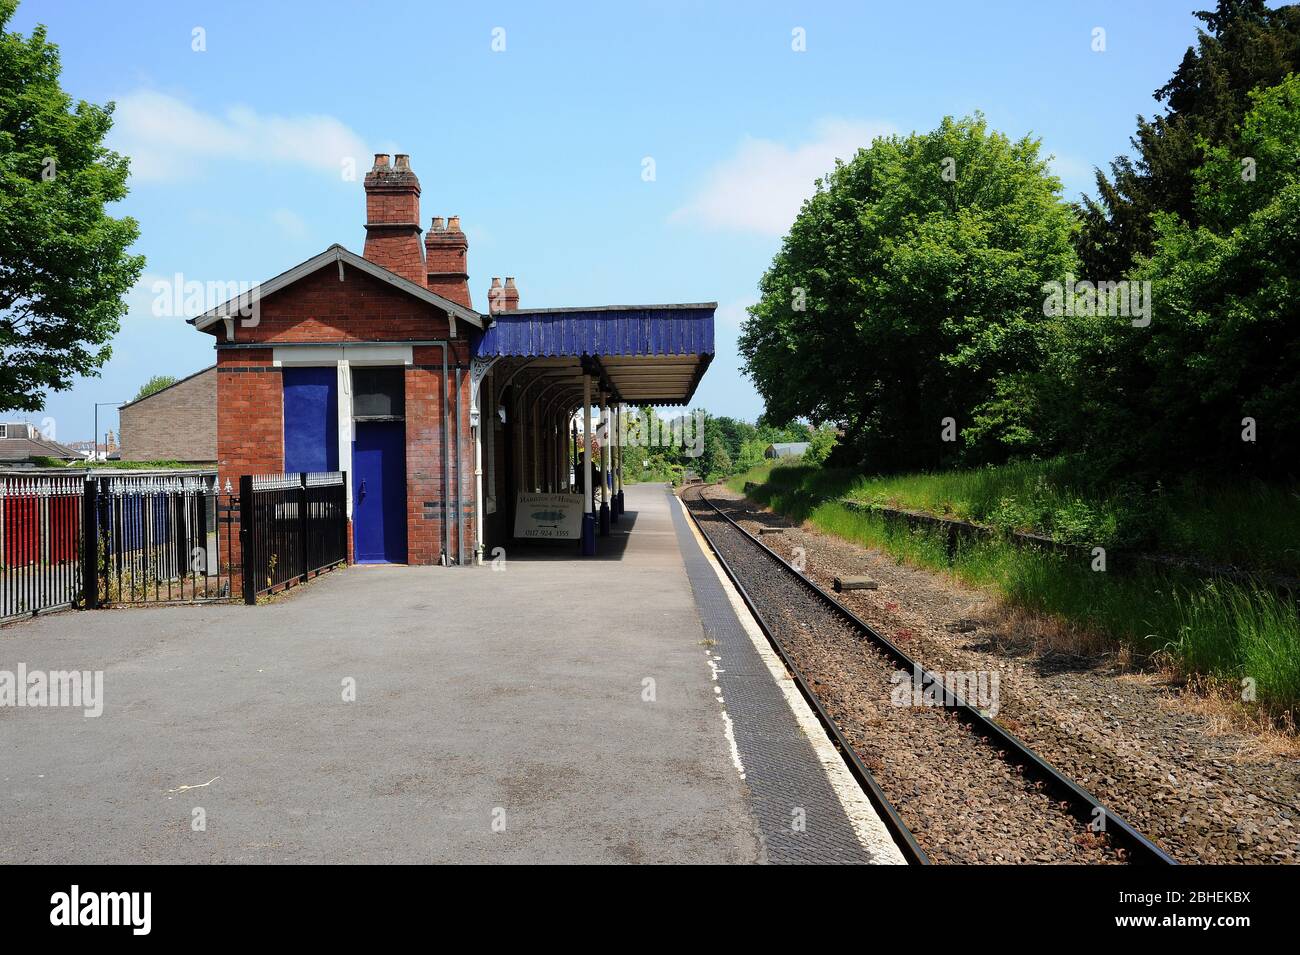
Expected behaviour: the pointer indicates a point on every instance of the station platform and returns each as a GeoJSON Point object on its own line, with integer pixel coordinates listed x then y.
{"type": "Point", "coordinates": [557, 709]}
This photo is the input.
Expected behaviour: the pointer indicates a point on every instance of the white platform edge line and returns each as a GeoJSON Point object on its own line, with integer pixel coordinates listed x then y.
{"type": "Point", "coordinates": [866, 822]}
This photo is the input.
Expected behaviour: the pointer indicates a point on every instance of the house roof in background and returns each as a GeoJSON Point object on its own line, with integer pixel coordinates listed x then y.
{"type": "Point", "coordinates": [21, 449]}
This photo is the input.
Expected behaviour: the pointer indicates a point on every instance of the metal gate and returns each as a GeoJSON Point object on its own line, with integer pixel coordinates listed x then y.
{"type": "Point", "coordinates": [159, 539]}
{"type": "Point", "coordinates": [40, 543]}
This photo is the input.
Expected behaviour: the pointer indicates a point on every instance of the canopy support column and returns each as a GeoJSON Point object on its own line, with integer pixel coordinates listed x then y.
{"type": "Point", "coordinates": [588, 517]}
{"type": "Point", "coordinates": [613, 462]}
{"type": "Point", "coordinates": [619, 426]}
{"type": "Point", "coordinates": [604, 467]}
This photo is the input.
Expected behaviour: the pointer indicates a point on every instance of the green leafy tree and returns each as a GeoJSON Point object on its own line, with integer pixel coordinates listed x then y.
{"type": "Point", "coordinates": [64, 265]}
{"type": "Point", "coordinates": [154, 385]}
{"type": "Point", "coordinates": [734, 434]}
{"type": "Point", "coordinates": [909, 290]}
{"type": "Point", "coordinates": [1245, 45]}
{"type": "Point", "coordinates": [820, 445]}
{"type": "Point", "coordinates": [715, 462]}
{"type": "Point", "coordinates": [1223, 345]}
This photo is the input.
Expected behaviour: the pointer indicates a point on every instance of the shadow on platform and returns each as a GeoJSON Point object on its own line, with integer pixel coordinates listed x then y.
{"type": "Point", "coordinates": [612, 547]}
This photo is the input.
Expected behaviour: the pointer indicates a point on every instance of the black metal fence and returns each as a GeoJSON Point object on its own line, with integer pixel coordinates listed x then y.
{"type": "Point", "coordinates": [109, 540]}
{"type": "Point", "coordinates": [40, 543]}
{"type": "Point", "coordinates": [158, 539]}
{"type": "Point", "coordinates": [293, 526]}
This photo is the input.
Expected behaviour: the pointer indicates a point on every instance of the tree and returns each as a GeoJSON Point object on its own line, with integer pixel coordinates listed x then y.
{"type": "Point", "coordinates": [154, 385]}
{"type": "Point", "coordinates": [734, 435]}
{"type": "Point", "coordinates": [1214, 382]}
{"type": "Point", "coordinates": [1245, 46]}
{"type": "Point", "coordinates": [821, 445]}
{"type": "Point", "coordinates": [909, 290]}
{"type": "Point", "coordinates": [64, 265]}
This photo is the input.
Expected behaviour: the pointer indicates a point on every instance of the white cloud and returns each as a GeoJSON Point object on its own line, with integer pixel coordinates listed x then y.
{"type": "Point", "coordinates": [762, 186]}
{"type": "Point", "coordinates": [1076, 174]}
{"type": "Point", "coordinates": [168, 139]}
{"type": "Point", "coordinates": [290, 223]}
{"type": "Point", "coordinates": [733, 314]}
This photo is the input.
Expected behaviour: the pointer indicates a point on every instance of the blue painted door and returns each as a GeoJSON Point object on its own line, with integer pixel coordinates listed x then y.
{"type": "Point", "coordinates": [379, 492]}
{"type": "Point", "coordinates": [311, 419]}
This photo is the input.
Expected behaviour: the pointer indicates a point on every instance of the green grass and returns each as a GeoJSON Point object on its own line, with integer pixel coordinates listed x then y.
{"type": "Point", "coordinates": [1225, 631]}
{"type": "Point", "coordinates": [1247, 524]}
{"type": "Point", "coordinates": [119, 465]}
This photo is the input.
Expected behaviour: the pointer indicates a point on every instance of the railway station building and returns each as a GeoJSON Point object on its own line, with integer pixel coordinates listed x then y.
{"type": "Point", "coordinates": [458, 428]}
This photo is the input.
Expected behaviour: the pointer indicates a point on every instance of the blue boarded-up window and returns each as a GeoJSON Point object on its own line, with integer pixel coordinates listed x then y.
{"type": "Point", "coordinates": [311, 419]}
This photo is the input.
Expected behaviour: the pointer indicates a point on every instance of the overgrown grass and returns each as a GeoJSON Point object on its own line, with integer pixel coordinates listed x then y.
{"type": "Point", "coordinates": [44, 462]}
{"type": "Point", "coordinates": [1225, 631]}
{"type": "Point", "coordinates": [1249, 524]}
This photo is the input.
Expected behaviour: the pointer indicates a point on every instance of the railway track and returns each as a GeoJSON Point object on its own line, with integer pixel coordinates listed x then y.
{"type": "Point", "coordinates": [951, 784]}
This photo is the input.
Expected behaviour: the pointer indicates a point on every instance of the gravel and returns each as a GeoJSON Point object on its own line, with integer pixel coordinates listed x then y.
{"type": "Point", "coordinates": [1204, 792]}
{"type": "Point", "coordinates": [962, 802]}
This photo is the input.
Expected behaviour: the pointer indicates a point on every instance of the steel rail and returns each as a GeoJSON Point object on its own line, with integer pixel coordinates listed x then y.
{"type": "Point", "coordinates": [898, 830]}
{"type": "Point", "coordinates": [1085, 806]}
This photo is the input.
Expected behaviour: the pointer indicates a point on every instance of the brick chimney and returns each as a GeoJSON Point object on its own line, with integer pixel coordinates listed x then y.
{"type": "Point", "coordinates": [393, 217]}
{"type": "Point", "coordinates": [503, 298]}
{"type": "Point", "coordinates": [445, 247]}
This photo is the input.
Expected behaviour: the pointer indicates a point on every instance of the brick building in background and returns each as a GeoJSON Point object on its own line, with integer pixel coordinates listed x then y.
{"type": "Point", "coordinates": [176, 423]}
{"type": "Point", "coordinates": [371, 365]}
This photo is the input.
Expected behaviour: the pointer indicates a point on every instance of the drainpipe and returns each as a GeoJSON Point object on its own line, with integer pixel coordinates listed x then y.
{"type": "Point", "coordinates": [446, 467]}
{"type": "Point", "coordinates": [460, 509]}
{"type": "Point", "coordinates": [478, 480]}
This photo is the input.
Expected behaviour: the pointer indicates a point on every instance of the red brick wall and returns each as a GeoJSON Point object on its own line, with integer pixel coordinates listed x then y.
{"type": "Point", "coordinates": [424, 407]}
{"type": "Point", "coordinates": [250, 429]}
{"type": "Point", "coordinates": [250, 426]}
{"type": "Point", "coordinates": [320, 308]}
{"type": "Point", "coordinates": [426, 401]}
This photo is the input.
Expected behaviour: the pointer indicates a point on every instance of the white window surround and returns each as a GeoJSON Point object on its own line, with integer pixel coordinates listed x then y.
{"type": "Point", "coordinates": [343, 357]}
{"type": "Point", "coordinates": [364, 354]}
{"type": "Point", "coordinates": [345, 426]}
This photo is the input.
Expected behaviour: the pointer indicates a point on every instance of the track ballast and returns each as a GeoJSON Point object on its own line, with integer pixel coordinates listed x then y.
{"type": "Point", "coordinates": [953, 786]}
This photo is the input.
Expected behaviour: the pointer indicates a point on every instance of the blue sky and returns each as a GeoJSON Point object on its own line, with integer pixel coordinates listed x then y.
{"type": "Point", "coordinates": [540, 147]}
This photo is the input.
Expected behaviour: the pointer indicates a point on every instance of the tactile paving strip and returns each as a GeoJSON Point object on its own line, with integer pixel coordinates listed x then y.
{"type": "Point", "coordinates": [781, 769]}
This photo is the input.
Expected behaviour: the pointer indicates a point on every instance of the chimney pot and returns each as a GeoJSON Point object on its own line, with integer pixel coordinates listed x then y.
{"type": "Point", "coordinates": [510, 281]}
{"type": "Point", "coordinates": [402, 161]}
{"type": "Point", "coordinates": [496, 281]}
{"type": "Point", "coordinates": [393, 218]}
{"type": "Point", "coordinates": [445, 249]}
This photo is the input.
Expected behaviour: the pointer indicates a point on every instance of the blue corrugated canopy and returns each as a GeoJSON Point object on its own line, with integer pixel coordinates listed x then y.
{"type": "Point", "coordinates": [638, 330]}
{"type": "Point", "coordinates": [650, 354]}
